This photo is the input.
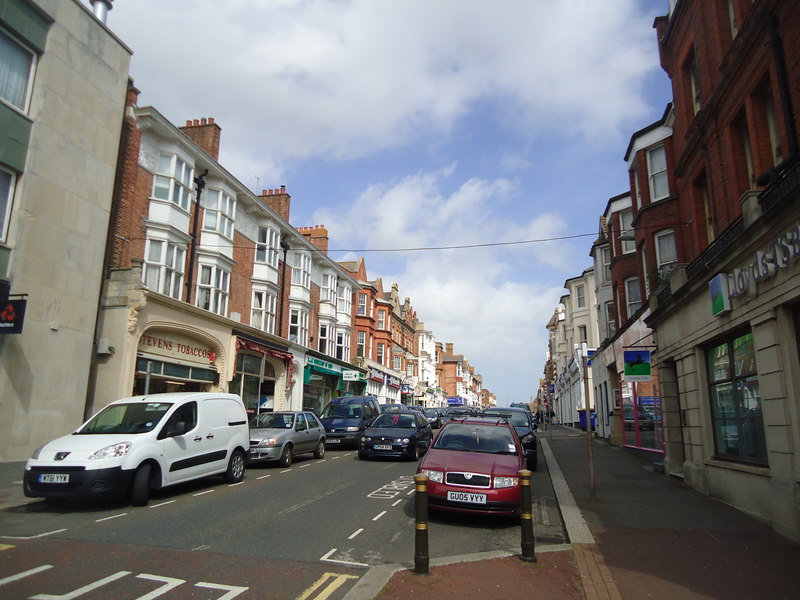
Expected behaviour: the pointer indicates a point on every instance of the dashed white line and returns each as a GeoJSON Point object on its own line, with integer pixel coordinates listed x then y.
{"type": "Point", "coordinates": [109, 518]}
{"type": "Point", "coordinates": [396, 502]}
{"type": "Point", "coordinates": [264, 476]}
{"type": "Point", "coordinates": [286, 471]}
{"type": "Point", "coordinates": [355, 533]}
{"type": "Point", "coordinates": [162, 503]}
{"type": "Point", "coordinates": [235, 484]}
{"type": "Point", "coordinates": [379, 515]}
{"type": "Point", "coordinates": [202, 493]}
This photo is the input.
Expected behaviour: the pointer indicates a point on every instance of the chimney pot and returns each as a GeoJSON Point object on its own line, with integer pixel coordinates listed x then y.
{"type": "Point", "coordinates": [196, 122]}
{"type": "Point", "coordinates": [203, 121]}
{"type": "Point", "coordinates": [188, 122]}
{"type": "Point", "coordinates": [283, 189]}
{"type": "Point", "coordinates": [263, 192]}
{"type": "Point", "coordinates": [210, 120]}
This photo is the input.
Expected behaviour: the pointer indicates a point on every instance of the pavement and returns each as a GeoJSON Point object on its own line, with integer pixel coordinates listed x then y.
{"type": "Point", "coordinates": [641, 534]}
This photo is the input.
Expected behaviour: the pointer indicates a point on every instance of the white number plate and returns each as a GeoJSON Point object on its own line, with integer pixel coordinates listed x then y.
{"type": "Point", "coordinates": [54, 478]}
{"type": "Point", "coordinates": [383, 446]}
{"type": "Point", "coordinates": [333, 440]}
{"type": "Point", "coordinates": [467, 497]}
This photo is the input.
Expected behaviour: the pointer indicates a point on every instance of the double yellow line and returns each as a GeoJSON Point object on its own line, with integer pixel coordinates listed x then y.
{"type": "Point", "coordinates": [323, 587]}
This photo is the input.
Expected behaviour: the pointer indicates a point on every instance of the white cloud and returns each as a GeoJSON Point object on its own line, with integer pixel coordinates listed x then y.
{"type": "Point", "coordinates": [346, 78]}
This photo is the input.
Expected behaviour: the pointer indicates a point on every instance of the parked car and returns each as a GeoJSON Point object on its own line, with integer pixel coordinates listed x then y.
{"type": "Point", "coordinates": [280, 436]}
{"type": "Point", "coordinates": [644, 417]}
{"type": "Point", "coordinates": [396, 434]}
{"type": "Point", "coordinates": [345, 418]}
{"type": "Point", "coordinates": [435, 417]}
{"type": "Point", "coordinates": [473, 467]}
{"type": "Point", "coordinates": [393, 406]}
{"type": "Point", "coordinates": [459, 411]}
{"type": "Point", "coordinates": [522, 420]}
{"type": "Point", "coordinates": [139, 444]}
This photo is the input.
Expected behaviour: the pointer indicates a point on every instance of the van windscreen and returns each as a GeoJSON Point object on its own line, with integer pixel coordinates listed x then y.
{"type": "Point", "coordinates": [344, 410]}
{"type": "Point", "coordinates": [136, 417]}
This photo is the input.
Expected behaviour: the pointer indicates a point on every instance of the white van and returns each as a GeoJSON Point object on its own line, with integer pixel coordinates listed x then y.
{"type": "Point", "coordinates": [143, 443]}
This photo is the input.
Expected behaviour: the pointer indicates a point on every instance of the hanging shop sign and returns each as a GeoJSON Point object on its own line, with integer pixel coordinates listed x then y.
{"type": "Point", "coordinates": [12, 316]}
{"type": "Point", "coordinates": [637, 365]}
{"type": "Point", "coordinates": [351, 376]}
{"type": "Point", "coordinates": [779, 254]}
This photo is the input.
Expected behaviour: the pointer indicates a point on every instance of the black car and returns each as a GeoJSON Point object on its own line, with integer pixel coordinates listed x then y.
{"type": "Point", "coordinates": [396, 434]}
{"type": "Point", "coordinates": [435, 416]}
{"type": "Point", "coordinates": [522, 421]}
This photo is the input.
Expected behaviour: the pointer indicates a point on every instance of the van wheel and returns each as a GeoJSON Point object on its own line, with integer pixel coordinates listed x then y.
{"type": "Point", "coordinates": [235, 472]}
{"type": "Point", "coordinates": [320, 451]}
{"type": "Point", "coordinates": [140, 488]}
{"type": "Point", "coordinates": [286, 456]}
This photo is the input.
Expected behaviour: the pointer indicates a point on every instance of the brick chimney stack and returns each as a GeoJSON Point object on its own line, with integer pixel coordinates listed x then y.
{"type": "Point", "coordinates": [278, 200]}
{"type": "Point", "coordinates": [317, 235]}
{"type": "Point", "coordinates": [205, 133]}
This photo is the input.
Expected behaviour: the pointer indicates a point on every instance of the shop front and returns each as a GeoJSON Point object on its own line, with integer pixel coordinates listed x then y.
{"type": "Point", "coordinates": [728, 358]}
{"type": "Point", "coordinates": [263, 373]}
{"type": "Point", "coordinates": [324, 379]}
{"type": "Point", "coordinates": [174, 361]}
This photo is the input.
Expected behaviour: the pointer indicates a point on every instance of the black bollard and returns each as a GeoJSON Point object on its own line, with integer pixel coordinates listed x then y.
{"type": "Point", "coordinates": [421, 558]}
{"type": "Point", "coordinates": [526, 517]}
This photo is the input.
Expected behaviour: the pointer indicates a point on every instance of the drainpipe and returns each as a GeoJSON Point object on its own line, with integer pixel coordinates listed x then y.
{"type": "Point", "coordinates": [200, 183]}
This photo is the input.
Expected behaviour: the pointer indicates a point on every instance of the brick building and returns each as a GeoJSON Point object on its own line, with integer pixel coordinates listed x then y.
{"type": "Point", "coordinates": [209, 286]}
{"type": "Point", "coordinates": [728, 316]}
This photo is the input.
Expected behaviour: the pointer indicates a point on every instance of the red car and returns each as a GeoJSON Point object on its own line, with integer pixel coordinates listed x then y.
{"type": "Point", "coordinates": [473, 466]}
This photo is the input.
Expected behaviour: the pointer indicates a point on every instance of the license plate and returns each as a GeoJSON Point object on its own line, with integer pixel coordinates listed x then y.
{"type": "Point", "coordinates": [54, 478]}
{"type": "Point", "coordinates": [467, 497]}
{"type": "Point", "coordinates": [383, 446]}
{"type": "Point", "coordinates": [333, 440]}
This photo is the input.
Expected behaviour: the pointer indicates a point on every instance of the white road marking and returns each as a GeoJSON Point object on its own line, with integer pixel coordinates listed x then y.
{"type": "Point", "coordinates": [264, 476]}
{"type": "Point", "coordinates": [202, 493]}
{"type": "Point", "coordinates": [327, 558]}
{"type": "Point", "coordinates": [18, 576]}
{"type": "Point", "coordinates": [32, 537]}
{"type": "Point", "coordinates": [84, 589]}
{"type": "Point", "coordinates": [379, 515]}
{"type": "Point", "coordinates": [233, 590]}
{"type": "Point", "coordinates": [162, 503]}
{"type": "Point", "coordinates": [169, 583]}
{"type": "Point", "coordinates": [109, 518]}
{"type": "Point", "coordinates": [355, 533]}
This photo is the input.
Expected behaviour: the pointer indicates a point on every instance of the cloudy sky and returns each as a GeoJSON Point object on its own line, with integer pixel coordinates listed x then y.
{"type": "Point", "coordinates": [464, 148]}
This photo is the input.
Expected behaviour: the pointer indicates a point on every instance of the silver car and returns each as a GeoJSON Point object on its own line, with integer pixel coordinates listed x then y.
{"type": "Point", "coordinates": [279, 436]}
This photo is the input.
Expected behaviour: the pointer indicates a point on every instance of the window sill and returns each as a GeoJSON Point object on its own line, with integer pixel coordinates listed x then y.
{"type": "Point", "coordinates": [741, 467]}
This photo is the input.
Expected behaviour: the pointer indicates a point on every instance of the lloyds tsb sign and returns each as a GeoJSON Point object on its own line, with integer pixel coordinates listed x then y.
{"type": "Point", "coordinates": [783, 251]}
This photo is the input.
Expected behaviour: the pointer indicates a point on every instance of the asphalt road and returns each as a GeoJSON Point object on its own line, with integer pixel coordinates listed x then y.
{"type": "Point", "coordinates": [308, 531]}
